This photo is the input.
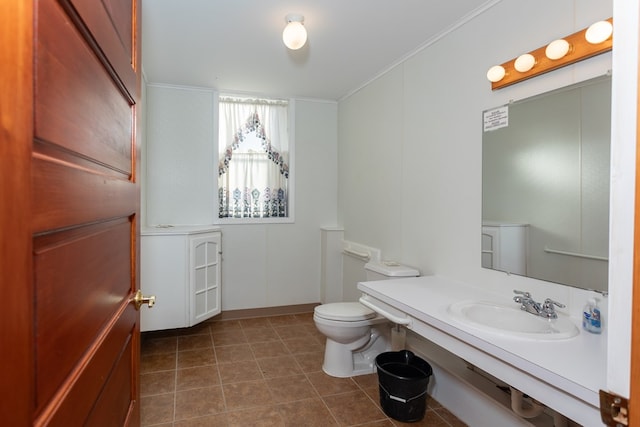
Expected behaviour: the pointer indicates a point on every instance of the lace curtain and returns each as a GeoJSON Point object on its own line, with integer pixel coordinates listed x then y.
{"type": "Point", "coordinates": [253, 171]}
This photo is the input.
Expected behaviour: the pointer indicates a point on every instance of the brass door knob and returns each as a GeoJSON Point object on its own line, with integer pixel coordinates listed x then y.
{"type": "Point", "coordinates": [140, 299]}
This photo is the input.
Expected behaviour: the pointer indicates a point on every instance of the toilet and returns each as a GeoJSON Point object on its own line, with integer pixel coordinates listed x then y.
{"type": "Point", "coordinates": [356, 334]}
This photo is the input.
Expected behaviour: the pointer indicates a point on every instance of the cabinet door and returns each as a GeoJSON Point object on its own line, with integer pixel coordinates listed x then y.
{"type": "Point", "coordinates": [163, 273]}
{"type": "Point", "coordinates": [205, 277]}
{"type": "Point", "coordinates": [504, 248]}
{"type": "Point", "coordinates": [490, 247]}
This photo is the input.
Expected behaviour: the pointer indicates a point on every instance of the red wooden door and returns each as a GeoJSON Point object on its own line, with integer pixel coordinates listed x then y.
{"type": "Point", "coordinates": [69, 333]}
{"type": "Point", "coordinates": [634, 386]}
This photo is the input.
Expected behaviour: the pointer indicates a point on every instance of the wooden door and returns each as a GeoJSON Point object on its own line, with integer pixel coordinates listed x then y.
{"type": "Point", "coordinates": [634, 386]}
{"type": "Point", "coordinates": [70, 212]}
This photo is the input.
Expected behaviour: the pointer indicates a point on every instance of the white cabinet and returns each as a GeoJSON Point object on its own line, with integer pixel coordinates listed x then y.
{"type": "Point", "coordinates": [181, 267]}
{"type": "Point", "coordinates": [504, 247]}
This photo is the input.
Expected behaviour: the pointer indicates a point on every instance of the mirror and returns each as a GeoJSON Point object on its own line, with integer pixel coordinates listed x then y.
{"type": "Point", "coordinates": [545, 186]}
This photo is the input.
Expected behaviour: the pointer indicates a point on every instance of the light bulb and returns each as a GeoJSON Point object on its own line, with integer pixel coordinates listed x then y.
{"type": "Point", "coordinates": [294, 35]}
{"type": "Point", "coordinates": [599, 32]}
{"type": "Point", "coordinates": [524, 63]}
{"type": "Point", "coordinates": [557, 49]}
{"type": "Point", "coordinates": [495, 73]}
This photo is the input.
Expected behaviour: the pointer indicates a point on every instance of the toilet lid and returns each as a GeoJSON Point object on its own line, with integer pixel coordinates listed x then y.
{"type": "Point", "coordinates": [345, 311]}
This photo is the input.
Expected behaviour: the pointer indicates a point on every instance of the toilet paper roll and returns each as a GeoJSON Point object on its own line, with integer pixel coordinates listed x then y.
{"type": "Point", "coordinates": [398, 338]}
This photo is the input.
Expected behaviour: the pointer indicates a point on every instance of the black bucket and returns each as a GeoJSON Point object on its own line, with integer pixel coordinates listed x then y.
{"type": "Point", "coordinates": [403, 378]}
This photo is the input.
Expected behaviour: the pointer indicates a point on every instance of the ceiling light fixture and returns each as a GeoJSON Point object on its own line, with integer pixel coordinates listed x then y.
{"type": "Point", "coordinates": [294, 35]}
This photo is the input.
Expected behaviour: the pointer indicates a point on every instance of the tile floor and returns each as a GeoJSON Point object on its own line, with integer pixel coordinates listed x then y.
{"type": "Point", "coordinates": [256, 372]}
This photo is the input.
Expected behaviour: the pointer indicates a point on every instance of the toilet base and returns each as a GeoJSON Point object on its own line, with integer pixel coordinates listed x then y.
{"type": "Point", "coordinates": [341, 362]}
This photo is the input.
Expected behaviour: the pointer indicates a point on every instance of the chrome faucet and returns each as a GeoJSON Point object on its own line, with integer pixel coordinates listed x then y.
{"type": "Point", "coordinates": [528, 304]}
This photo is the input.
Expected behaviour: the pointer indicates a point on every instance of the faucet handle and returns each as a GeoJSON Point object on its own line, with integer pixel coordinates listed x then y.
{"type": "Point", "coordinates": [524, 294]}
{"type": "Point", "coordinates": [548, 309]}
{"type": "Point", "coordinates": [549, 303]}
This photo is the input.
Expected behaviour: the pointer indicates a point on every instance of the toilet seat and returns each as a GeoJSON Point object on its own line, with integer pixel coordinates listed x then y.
{"type": "Point", "coordinates": [344, 311]}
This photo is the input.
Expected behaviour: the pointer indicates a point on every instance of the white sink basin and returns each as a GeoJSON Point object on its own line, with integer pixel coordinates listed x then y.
{"type": "Point", "coordinates": [509, 320]}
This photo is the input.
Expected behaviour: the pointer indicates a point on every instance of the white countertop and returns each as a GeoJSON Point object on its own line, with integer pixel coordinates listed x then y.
{"type": "Point", "coordinates": [576, 365]}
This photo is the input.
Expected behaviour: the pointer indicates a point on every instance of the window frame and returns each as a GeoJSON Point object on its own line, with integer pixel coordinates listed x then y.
{"type": "Point", "coordinates": [290, 219]}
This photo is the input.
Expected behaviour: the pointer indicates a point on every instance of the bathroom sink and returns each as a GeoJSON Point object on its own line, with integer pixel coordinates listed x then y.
{"type": "Point", "coordinates": [509, 320]}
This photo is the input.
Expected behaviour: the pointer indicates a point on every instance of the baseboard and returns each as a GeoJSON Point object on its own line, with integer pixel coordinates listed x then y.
{"type": "Point", "coordinates": [266, 311]}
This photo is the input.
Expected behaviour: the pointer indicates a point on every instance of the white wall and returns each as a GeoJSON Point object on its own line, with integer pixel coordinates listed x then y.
{"type": "Point", "coordinates": [411, 140]}
{"type": "Point", "coordinates": [179, 154]}
{"type": "Point", "coordinates": [279, 264]}
{"type": "Point", "coordinates": [263, 264]}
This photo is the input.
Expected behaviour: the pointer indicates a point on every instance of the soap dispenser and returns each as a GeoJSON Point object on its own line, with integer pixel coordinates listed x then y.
{"type": "Point", "coordinates": [591, 319]}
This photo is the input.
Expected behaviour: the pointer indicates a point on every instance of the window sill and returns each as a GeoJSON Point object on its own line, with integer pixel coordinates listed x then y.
{"type": "Point", "coordinates": [247, 221]}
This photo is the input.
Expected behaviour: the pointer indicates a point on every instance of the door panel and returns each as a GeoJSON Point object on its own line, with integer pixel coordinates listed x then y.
{"type": "Point", "coordinates": [110, 23]}
{"type": "Point", "coordinates": [99, 390]}
{"type": "Point", "coordinates": [79, 281]}
{"type": "Point", "coordinates": [66, 194]}
{"type": "Point", "coordinates": [79, 106]}
{"type": "Point", "coordinates": [113, 406]}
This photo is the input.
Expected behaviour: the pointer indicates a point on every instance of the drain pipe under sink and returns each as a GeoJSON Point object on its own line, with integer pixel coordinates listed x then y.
{"type": "Point", "coordinates": [534, 410]}
{"type": "Point", "coordinates": [516, 405]}
{"type": "Point", "coordinates": [398, 337]}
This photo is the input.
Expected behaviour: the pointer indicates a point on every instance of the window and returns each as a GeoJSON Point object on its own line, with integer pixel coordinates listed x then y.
{"type": "Point", "coordinates": [254, 159]}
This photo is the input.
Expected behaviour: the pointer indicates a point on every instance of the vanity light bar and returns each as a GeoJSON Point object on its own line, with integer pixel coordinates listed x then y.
{"type": "Point", "coordinates": [565, 51]}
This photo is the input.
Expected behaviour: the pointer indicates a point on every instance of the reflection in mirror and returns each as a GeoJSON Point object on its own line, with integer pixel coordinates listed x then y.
{"type": "Point", "coordinates": [545, 186]}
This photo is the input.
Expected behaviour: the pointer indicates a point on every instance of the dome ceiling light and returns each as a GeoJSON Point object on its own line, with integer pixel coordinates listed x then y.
{"type": "Point", "coordinates": [294, 35]}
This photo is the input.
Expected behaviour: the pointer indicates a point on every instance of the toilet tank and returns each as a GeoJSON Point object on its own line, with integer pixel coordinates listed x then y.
{"type": "Point", "coordinates": [386, 270]}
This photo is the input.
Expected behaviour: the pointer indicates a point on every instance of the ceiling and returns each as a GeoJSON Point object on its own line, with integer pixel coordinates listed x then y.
{"type": "Point", "coordinates": [236, 45]}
